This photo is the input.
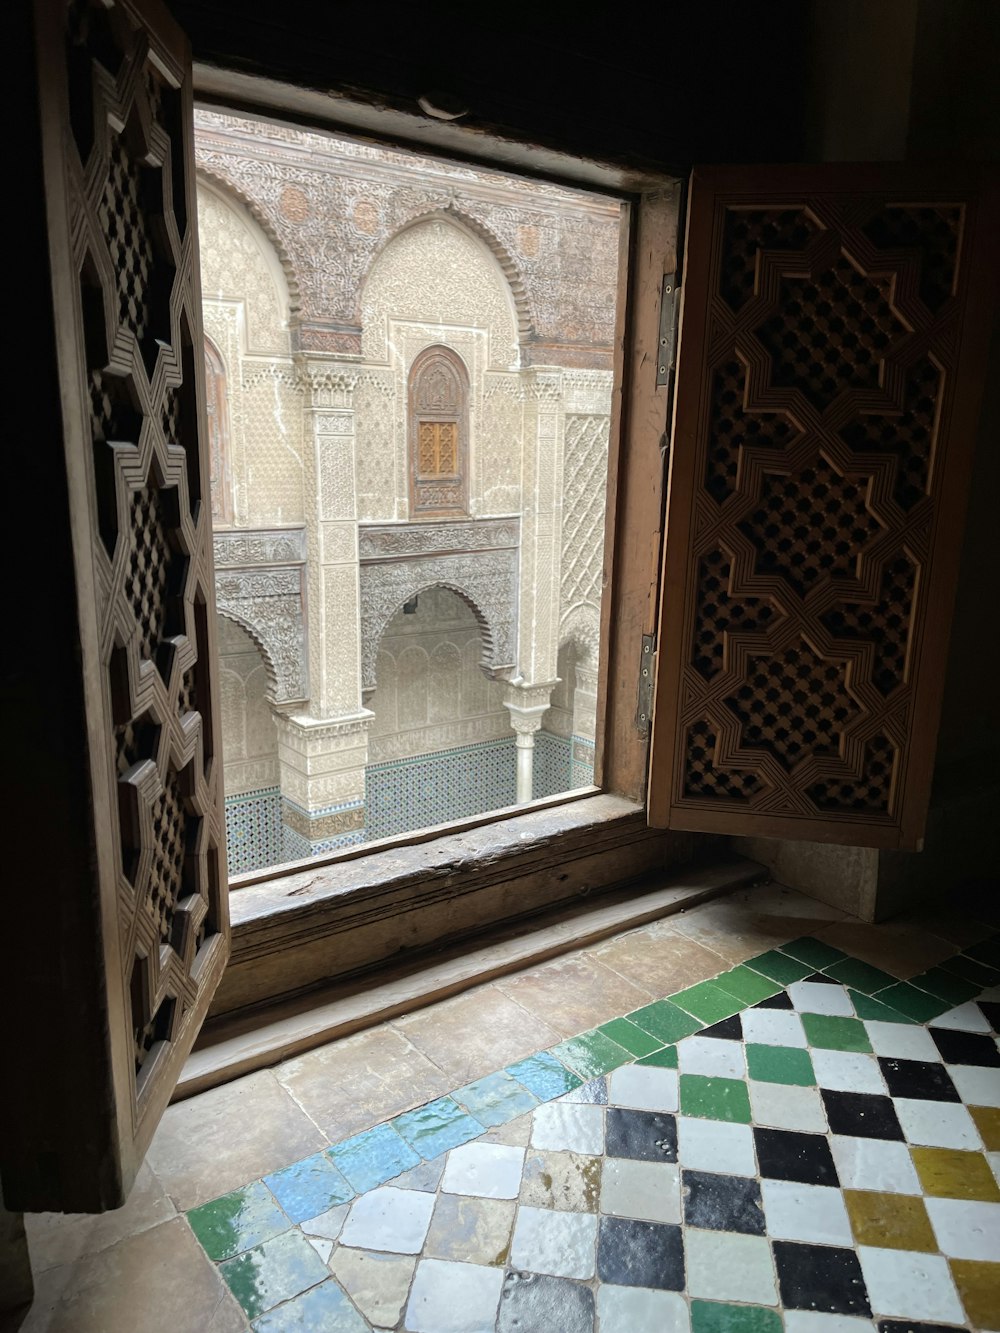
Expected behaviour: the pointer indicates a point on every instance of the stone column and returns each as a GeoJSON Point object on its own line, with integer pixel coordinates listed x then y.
{"type": "Point", "coordinates": [527, 705]}
{"type": "Point", "coordinates": [323, 752]}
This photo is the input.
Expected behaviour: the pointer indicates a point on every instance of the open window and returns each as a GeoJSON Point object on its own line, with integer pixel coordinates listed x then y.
{"type": "Point", "coordinates": [832, 352]}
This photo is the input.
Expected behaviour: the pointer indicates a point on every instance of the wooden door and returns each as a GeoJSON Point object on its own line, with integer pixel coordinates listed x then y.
{"type": "Point", "coordinates": [130, 902]}
{"type": "Point", "coordinates": [832, 352]}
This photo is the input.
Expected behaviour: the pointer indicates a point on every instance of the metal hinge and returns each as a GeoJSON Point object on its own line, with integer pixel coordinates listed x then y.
{"type": "Point", "coordinates": [647, 674]}
{"type": "Point", "coordinates": [666, 352]}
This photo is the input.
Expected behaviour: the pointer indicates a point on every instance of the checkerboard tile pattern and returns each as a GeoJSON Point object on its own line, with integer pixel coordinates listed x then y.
{"type": "Point", "coordinates": [802, 1142]}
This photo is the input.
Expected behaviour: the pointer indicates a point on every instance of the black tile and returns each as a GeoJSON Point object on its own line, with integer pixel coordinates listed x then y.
{"type": "Point", "coordinates": [640, 1254]}
{"type": "Point", "coordinates": [862, 1115]}
{"type": "Point", "coordinates": [649, 1136]}
{"type": "Point", "coordinates": [991, 1012]}
{"type": "Point", "coordinates": [908, 1326]}
{"type": "Point", "coordinates": [987, 951]}
{"type": "Point", "coordinates": [780, 1001]}
{"type": "Point", "coordinates": [722, 1203]}
{"type": "Point", "coordinates": [730, 1029]}
{"type": "Point", "coordinates": [822, 977]}
{"type": "Point", "coordinates": [922, 1079]}
{"type": "Point", "coordinates": [787, 1155]}
{"type": "Point", "coordinates": [534, 1303]}
{"type": "Point", "coordinates": [594, 1092]}
{"type": "Point", "coordinates": [823, 1278]}
{"type": "Point", "coordinates": [965, 1048]}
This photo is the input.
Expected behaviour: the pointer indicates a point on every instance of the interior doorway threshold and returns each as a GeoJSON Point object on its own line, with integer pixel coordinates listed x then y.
{"type": "Point", "coordinates": [241, 1043]}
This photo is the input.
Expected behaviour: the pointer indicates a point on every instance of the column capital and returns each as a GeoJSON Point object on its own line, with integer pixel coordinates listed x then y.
{"type": "Point", "coordinates": [527, 704]}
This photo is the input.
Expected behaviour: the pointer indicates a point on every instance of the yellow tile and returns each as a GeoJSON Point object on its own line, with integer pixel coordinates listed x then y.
{"type": "Point", "coordinates": [951, 1174]}
{"type": "Point", "coordinates": [891, 1221]}
{"type": "Point", "coordinates": [987, 1120]}
{"type": "Point", "coordinates": [978, 1285]}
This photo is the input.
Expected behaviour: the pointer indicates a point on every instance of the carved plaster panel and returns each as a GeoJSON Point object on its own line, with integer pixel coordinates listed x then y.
{"type": "Point", "coordinates": [267, 546]}
{"type": "Point", "coordinates": [392, 540]}
{"type": "Point", "coordinates": [268, 604]}
{"type": "Point", "coordinates": [486, 578]}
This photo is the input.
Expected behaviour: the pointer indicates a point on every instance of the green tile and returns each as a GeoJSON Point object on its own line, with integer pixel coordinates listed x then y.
{"type": "Point", "coordinates": [834, 1033]}
{"type": "Point", "coordinates": [665, 1059]}
{"type": "Point", "coordinates": [238, 1221]}
{"type": "Point", "coordinates": [273, 1272]}
{"type": "Point", "coordinates": [986, 951]}
{"type": "Point", "coordinates": [779, 967]}
{"type": "Point", "coordinates": [865, 1006]}
{"type": "Point", "coordinates": [746, 985]}
{"type": "Point", "coordinates": [946, 986]}
{"type": "Point", "coordinates": [715, 1317]}
{"type": "Point", "coordinates": [715, 1098]}
{"type": "Point", "coordinates": [707, 1001]}
{"type": "Point", "coordinates": [972, 971]}
{"type": "Point", "coordinates": [591, 1053]}
{"type": "Point", "coordinates": [664, 1020]}
{"type": "Point", "coordinates": [633, 1038]}
{"type": "Point", "coordinates": [860, 976]}
{"type": "Point", "coordinates": [780, 1064]}
{"type": "Point", "coordinates": [909, 1000]}
{"type": "Point", "coordinates": [814, 952]}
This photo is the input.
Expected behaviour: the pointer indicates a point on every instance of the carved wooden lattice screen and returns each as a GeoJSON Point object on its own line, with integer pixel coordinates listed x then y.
{"type": "Point", "coordinates": [117, 129]}
{"type": "Point", "coordinates": [832, 345]}
{"type": "Point", "coordinates": [439, 412]}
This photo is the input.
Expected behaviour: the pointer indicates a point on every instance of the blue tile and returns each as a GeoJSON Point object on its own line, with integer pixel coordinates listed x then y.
{"type": "Point", "coordinates": [543, 1075]}
{"type": "Point", "coordinates": [495, 1099]}
{"type": "Point", "coordinates": [324, 1307]}
{"type": "Point", "coordinates": [309, 1187]}
{"type": "Point", "coordinates": [438, 1126]}
{"type": "Point", "coordinates": [371, 1158]}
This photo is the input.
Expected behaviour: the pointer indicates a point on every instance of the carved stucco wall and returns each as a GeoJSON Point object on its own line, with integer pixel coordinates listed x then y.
{"type": "Point", "coordinates": [246, 313]}
{"type": "Point", "coordinates": [431, 693]}
{"type": "Point", "coordinates": [251, 740]}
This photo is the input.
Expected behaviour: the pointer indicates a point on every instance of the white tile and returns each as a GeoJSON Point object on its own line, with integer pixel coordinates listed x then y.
{"type": "Point", "coordinates": [714, 1145]}
{"type": "Point", "coordinates": [874, 1164]}
{"type": "Point", "coordinates": [639, 1310]}
{"type": "Point", "coordinates": [722, 1266]}
{"type": "Point", "coordinates": [711, 1056]}
{"type": "Point", "coordinates": [453, 1298]}
{"type": "Point", "coordinates": [978, 1085]}
{"type": "Point", "coordinates": [561, 1244]}
{"type": "Point", "coordinates": [773, 1027]}
{"type": "Point", "coordinates": [324, 1248]}
{"type": "Point", "coordinates": [847, 1071]}
{"type": "Point", "coordinates": [813, 1321]}
{"type": "Point", "coordinates": [937, 1124]}
{"type": "Point", "coordinates": [649, 1191]}
{"type": "Point", "coordinates": [389, 1219]}
{"type": "Point", "coordinates": [815, 997]}
{"type": "Point", "coordinates": [329, 1224]}
{"type": "Point", "coordinates": [644, 1088]}
{"type": "Point", "coordinates": [909, 1285]}
{"type": "Point", "coordinates": [994, 1160]}
{"type": "Point", "coordinates": [814, 1213]}
{"type": "Point", "coordinates": [901, 1041]}
{"type": "Point", "coordinates": [489, 1170]}
{"type": "Point", "coordinates": [786, 1107]}
{"type": "Point", "coordinates": [569, 1126]}
{"type": "Point", "coordinates": [966, 1017]}
{"type": "Point", "coordinates": [966, 1229]}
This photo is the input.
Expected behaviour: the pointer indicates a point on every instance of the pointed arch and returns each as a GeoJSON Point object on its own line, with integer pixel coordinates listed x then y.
{"type": "Point", "coordinates": [523, 317]}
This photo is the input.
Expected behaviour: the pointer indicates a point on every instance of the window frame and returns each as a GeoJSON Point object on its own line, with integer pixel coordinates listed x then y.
{"type": "Point", "coordinates": [265, 920]}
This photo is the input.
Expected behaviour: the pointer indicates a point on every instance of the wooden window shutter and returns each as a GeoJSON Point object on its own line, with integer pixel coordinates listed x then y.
{"type": "Point", "coordinates": [832, 351]}
{"type": "Point", "coordinates": [439, 432]}
{"type": "Point", "coordinates": [145, 880]}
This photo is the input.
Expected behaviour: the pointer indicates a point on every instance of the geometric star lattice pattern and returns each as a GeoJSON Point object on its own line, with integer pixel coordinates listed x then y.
{"type": "Point", "coordinates": [812, 492]}
{"type": "Point", "coordinates": [135, 260]}
{"type": "Point", "coordinates": [803, 1143]}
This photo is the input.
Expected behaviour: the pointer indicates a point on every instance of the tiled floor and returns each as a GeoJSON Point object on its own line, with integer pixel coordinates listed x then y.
{"type": "Point", "coordinates": [748, 1115]}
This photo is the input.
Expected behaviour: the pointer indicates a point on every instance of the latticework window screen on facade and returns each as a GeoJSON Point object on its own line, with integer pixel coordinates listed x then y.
{"type": "Point", "coordinates": [439, 428]}
{"type": "Point", "coordinates": [823, 435]}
